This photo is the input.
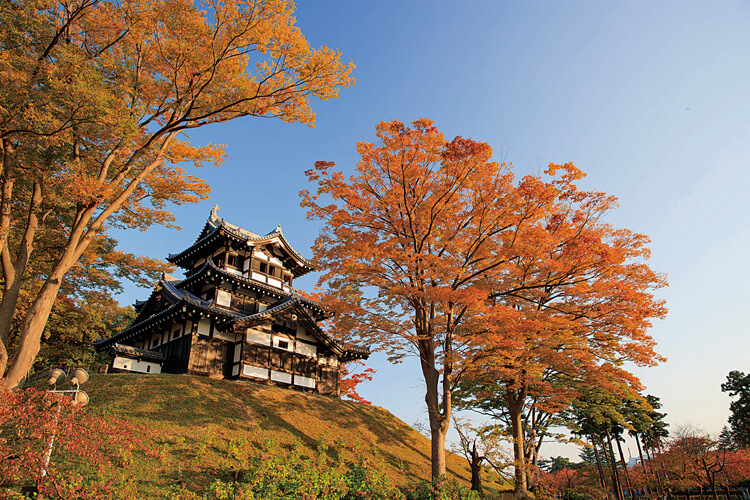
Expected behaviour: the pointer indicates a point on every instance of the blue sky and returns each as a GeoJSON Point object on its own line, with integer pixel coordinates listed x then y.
{"type": "Point", "coordinates": [651, 99]}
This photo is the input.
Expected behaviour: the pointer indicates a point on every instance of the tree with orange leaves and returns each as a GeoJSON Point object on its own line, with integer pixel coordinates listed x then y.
{"type": "Point", "coordinates": [410, 243]}
{"type": "Point", "coordinates": [431, 248]}
{"type": "Point", "coordinates": [95, 96]}
{"type": "Point", "coordinates": [574, 303]}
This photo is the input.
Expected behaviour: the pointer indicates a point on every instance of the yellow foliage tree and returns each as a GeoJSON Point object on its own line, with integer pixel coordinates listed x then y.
{"type": "Point", "coordinates": [94, 97]}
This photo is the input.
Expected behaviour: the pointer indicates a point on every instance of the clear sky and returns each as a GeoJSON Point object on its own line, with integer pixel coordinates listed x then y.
{"type": "Point", "coordinates": [651, 99]}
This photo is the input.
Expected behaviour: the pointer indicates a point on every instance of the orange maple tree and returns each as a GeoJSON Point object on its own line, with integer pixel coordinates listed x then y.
{"type": "Point", "coordinates": [431, 248]}
{"type": "Point", "coordinates": [350, 379]}
{"type": "Point", "coordinates": [95, 97]}
{"type": "Point", "coordinates": [574, 303]}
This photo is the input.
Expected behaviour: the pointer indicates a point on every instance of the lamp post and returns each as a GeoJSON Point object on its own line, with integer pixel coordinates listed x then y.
{"type": "Point", "coordinates": [57, 377]}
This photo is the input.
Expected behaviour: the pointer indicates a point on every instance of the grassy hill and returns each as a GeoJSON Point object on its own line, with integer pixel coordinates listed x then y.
{"type": "Point", "coordinates": [195, 421]}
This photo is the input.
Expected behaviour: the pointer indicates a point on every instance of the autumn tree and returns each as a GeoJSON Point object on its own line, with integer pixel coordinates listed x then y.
{"type": "Point", "coordinates": [573, 304]}
{"type": "Point", "coordinates": [693, 460]}
{"type": "Point", "coordinates": [409, 243]}
{"type": "Point", "coordinates": [351, 377]}
{"type": "Point", "coordinates": [95, 96]}
{"type": "Point", "coordinates": [85, 308]}
{"type": "Point", "coordinates": [480, 445]}
{"type": "Point", "coordinates": [489, 398]}
{"type": "Point", "coordinates": [88, 453]}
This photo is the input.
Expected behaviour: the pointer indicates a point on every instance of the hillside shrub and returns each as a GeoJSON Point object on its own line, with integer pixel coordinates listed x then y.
{"type": "Point", "coordinates": [276, 472]}
{"type": "Point", "coordinates": [88, 451]}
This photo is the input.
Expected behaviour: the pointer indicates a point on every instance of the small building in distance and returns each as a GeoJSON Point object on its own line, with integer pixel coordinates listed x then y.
{"type": "Point", "coordinates": [235, 315]}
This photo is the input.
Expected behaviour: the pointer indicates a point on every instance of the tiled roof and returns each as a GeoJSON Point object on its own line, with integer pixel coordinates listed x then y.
{"type": "Point", "coordinates": [298, 302]}
{"type": "Point", "coordinates": [215, 224]}
{"type": "Point", "coordinates": [139, 353]}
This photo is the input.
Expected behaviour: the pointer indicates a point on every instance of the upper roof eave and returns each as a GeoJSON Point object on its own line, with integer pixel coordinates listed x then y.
{"type": "Point", "coordinates": [216, 225]}
{"type": "Point", "coordinates": [178, 299]}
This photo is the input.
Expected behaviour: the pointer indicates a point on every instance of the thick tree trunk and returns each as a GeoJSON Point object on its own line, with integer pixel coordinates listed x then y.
{"type": "Point", "coordinates": [439, 420]}
{"type": "Point", "coordinates": [31, 332]}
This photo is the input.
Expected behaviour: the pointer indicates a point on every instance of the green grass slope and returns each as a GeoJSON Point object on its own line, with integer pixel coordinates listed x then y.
{"type": "Point", "coordinates": [195, 420]}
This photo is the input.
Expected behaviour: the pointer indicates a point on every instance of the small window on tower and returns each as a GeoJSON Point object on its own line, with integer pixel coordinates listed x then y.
{"type": "Point", "coordinates": [271, 271]}
{"type": "Point", "coordinates": [263, 267]}
{"type": "Point", "coordinates": [232, 260]}
{"type": "Point", "coordinates": [283, 344]}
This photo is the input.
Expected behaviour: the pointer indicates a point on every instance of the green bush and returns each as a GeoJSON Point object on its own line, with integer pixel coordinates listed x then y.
{"type": "Point", "coordinates": [441, 489]}
{"type": "Point", "coordinates": [274, 472]}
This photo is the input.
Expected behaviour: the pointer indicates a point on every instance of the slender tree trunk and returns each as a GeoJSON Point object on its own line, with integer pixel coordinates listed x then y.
{"type": "Point", "coordinates": [712, 483]}
{"type": "Point", "coordinates": [624, 467]}
{"type": "Point", "coordinates": [643, 463]}
{"type": "Point", "coordinates": [640, 451]}
{"type": "Point", "coordinates": [14, 276]}
{"type": "Point", "coordinates": [515, 410]}
{"type": "Point", "coordinates": [6, 184]}
{"type": "Point", "coordinates": [599, 466]}
{"type": "Point", "coordinates": [615, 474]}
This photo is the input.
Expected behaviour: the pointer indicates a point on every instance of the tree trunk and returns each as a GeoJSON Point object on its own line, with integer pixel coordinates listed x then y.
{"type": "Point", "coordinates": [31, 333]}
{"type": "Point", "coordinates": [36, 317]}
{"type": "Point", "coordinates": [615, 476]}
{"type": "Point", "coordinates": [476, 469]}
{"type": "Point", "coordinates": [14, 271]}
{"type": "Point", "coordinates": [643, 463]}
{"type": "Point", "coordinates": [515, 410]}
{"type": "Point", "coordinates": [439, 420]}
{"type": "Point", "coordinates": [599, 466]}
{"type": "Point", "coordinates": [640, 451]}
{"type": "Point", "coordinates": [7, 180]}
{"type": "Point", "coordinates": [624, 468]}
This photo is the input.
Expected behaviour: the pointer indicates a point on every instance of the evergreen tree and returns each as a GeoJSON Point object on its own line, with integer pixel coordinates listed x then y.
{"type": "Point", "coordinates": [738, 384]}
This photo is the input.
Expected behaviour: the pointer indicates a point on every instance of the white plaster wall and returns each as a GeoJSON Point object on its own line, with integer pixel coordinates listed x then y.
{"type": "Point", "coordinates": [204, 326]}
{"type": "Point", "coordinates": [254, 371]}
{"type": "Point", "coordinates": [223, 298]}
{"type": "Point", "coordinates": [274, 282]}
{"type": "Point", "coordinates": [304, 381]}
{"type": "Point", "coordinates": [136, 365]}
{"type": "Point", "coordinates": [307, 349]}
{"type": "Point", "coordinates": [258, 337]}
{"type": "Point", "coordinates": [276, 261]}
{"type": "Point", "coordinates": [281, 377]}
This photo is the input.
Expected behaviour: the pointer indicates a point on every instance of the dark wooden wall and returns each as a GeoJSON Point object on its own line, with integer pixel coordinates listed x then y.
{"type": "Point", "coordinates": [177, 353]}
{"type": "Point", "coordinates": [207, 356]}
